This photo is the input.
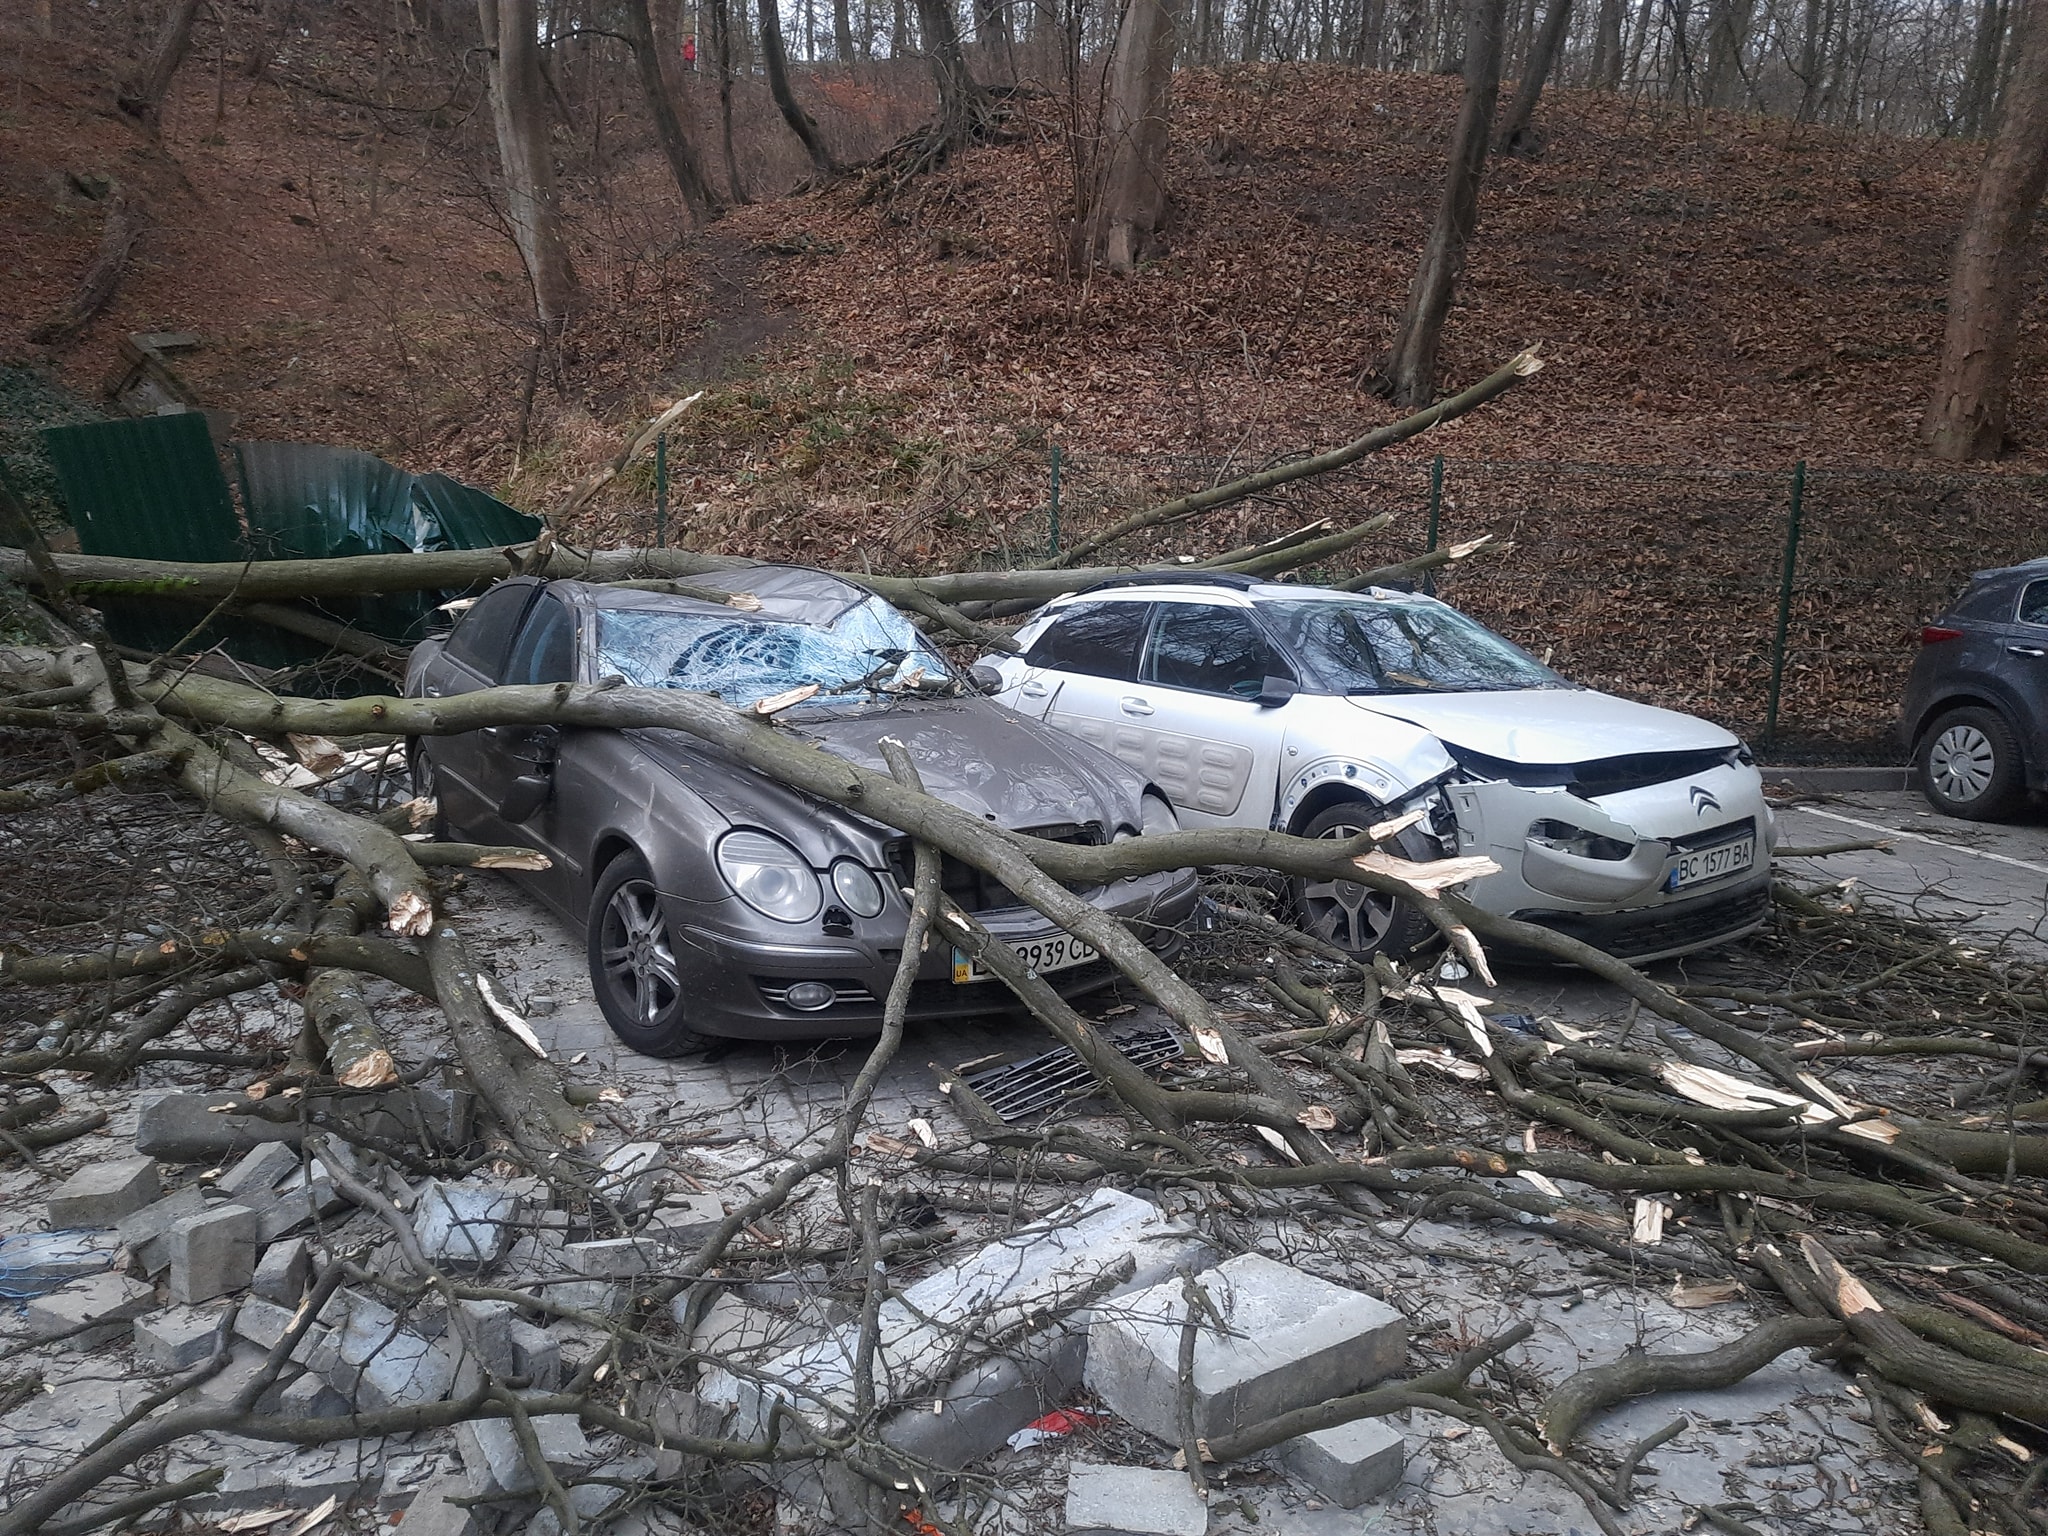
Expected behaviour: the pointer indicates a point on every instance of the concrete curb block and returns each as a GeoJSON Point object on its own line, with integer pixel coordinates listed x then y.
{"type": "Point", "coordinates": [1838, 780]}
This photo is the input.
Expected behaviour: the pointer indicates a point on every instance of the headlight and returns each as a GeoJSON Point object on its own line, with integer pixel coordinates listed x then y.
{"type": "Point", "coordinates": [769, 876]}
{"type": "Point", "coordinates": [1566, 838]}
{"type": "Point", "coordinates": [857, 888]}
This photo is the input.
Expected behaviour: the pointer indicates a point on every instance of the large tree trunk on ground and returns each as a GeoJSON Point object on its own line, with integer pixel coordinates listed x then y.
{"type": "Point", "coordinates": [124, 223]}
{"type": "Point", "coordinates": [1130, 200]}
{"type": "Point", "coordinates": [1409, 375]}
{"type": "Point", "coordinates": [722, 52]}
{"type": "Point", "coordinates": [1966, 417]}
{"type": "Point", "coordinates": [1515, 137]}
{"type": "Point", "coordinates": [519, 111]}
{"type": "Point", "coordinates": [775, 62]}
{"type": "Point", "coordinates": [142, 96]}
{"type": "Point", "coordinates": [683, 161]}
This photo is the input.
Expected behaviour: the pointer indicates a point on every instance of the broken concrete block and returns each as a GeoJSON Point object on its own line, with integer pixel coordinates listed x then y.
{"type": "Point", "coordinates": [601, 1298]}
{"type": "Point", "coordinates": [146, 1233]}
{"type": "Point", "coordinates": [265, 1323]}
{"type": "Point", "coordinates": [306, 1194]}
{"type": "Point", "coordinates": [430, 1513]}
{"type": "Point", "coordinates": [309, 1397]}
{"type": "Point", "coordinates": [372, 1358]}
{"type": "Point", "coordinates": [629, 1176]}
{"type": "Point", "coordinates": [178, 1338]}
{"type": "Point", "coordinates": [1132, 1501]}
{"type": "Point", "coordinates": [1348, 1464]}
{"type": "Point", "coordinates": [35, 1262]}
{"type": "Point", "coordinates": [730, 1327]}
{"type": "Point", "coordinates": [589, 1500]}
{"type": "Point", "coordinates": [466, 1225]}
{"type": "Point", "coordinates": [283, 1272]}
{"type": "Point", "coordinates": [674, 1412]}
{"type": "Point", "coordinates": [489, 1324]}
{"type": "Point", "coordinates": [183, 1128]}
{"type": "Point", "coordinates": [100, 1194]}
{"type": "Point", "coordinates": [259, 1170]}
{"type": "Point", "coordinates": [536, 1356]}
{"type": "Point", "coordinates": [212, 1253]}
{"type": "Point", "coordinates": [495, 1464]}
{"type": "Point", "coordinates": [285, 1480]}
{"type": "Point", "coordinates": [1288, 1339]}
{"type": "Point", "coordinates": [90, 1312]}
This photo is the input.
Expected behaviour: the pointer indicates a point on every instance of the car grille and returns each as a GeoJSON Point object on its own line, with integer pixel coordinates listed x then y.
{"type": "Point", "coordinates": [975, 890]}
{"type": "Point", "coordinates": [1714, 837]}
{"type": "Point", "coordinates": [1656, 930]}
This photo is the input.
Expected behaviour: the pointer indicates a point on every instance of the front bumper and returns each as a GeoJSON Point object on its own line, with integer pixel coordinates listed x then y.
{"type": "Point", "coordinates": [738, 983]}
{"type": "Point", "coordinates": [1668, 878]}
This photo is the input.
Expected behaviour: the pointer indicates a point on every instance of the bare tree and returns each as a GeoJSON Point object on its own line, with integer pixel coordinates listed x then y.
{"type": "Point", "coordinates": [512, 32]}
{"type": "Point", "coordinates": [142, 94]}
{"type": "Point", "coordinates": [842, 31]}
{"type": "Point", "coordinates": [1727, 37]}
{"type": "Point", "coordinates": [1605, 72]}
{"type": "Point", "coordinates": [1409, 374]}
{"type": "Point", "coordinates": [684, 163]}
{"type": "Point", "coordinates": [963, 105]}
{"type": "Point", "coordinates": [775, 63]}
{"type": "Point", "coordinates": [1130, 200]}
{"type": "Point", "coordinates": [1980, 80]}
{"type": "Point", "coordinates": [1515, 137]}
{"type": "Point", "coordinates": [1966, 417]}
{"type": "Point", "coordinates": [721, 52]}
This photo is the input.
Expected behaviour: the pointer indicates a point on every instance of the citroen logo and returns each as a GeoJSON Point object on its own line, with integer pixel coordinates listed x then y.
{"type": "Point", "coordinates": [1703, 801]}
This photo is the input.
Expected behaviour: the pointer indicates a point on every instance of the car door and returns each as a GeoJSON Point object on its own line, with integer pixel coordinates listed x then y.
{"type": "Point", "coordinates": [1078, 668]}
{"type": "Point", "coordinates": [472, 658]}
{"type": "Point", "coordinates": [2024, 665]}
{"type": "Point", "coordinates": [514, 809]}
{"type": "Point", "coordinates": [1208, 743]}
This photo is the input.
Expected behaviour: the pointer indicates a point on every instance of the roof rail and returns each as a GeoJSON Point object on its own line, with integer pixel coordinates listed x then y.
{"type": "Point", "coordinates": [1167, 577]}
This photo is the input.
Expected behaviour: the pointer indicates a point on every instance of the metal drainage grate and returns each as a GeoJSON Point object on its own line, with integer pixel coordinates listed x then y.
{"type": "Point", "coordinates": [1041, 1083]}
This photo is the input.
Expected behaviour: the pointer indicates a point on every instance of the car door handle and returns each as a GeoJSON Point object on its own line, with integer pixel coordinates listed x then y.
{"type": "Point", "coordinates": [1034, 690]}
{"type": "Point", "coordinates": [1135, 706]}
{"type": "Point", "coordinates": [2027, 650]}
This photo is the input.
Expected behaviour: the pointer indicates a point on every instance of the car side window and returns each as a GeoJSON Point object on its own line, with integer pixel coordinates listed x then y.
{"type": "Point", "coordinates": [481, 635]}
{"type": "Point", "coordinates": [1208, 649]}
{"type": "Point", "coordinates": [1097, 639]}
{"type": "Point", "coordinates": [545, 651]}
{"type": "Point", "coordinates": [2034, 603]}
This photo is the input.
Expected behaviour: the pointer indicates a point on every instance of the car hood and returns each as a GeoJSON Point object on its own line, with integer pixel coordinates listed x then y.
{"type": "Point", "coordinates": [970, 752]}
{"type": "Point", "coordinates": [1544, 725]}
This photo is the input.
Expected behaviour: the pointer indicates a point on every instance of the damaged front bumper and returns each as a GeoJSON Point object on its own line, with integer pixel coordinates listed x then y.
{"type": "Point", "coordinates": [1644, 874]}
{"type": "Point", "coordinates": [749, 987]}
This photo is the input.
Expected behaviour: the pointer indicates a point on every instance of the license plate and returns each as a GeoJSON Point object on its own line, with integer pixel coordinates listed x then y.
{"type": "Point", "coordinates": [1706, 864]}
{"type": "Point", "coordinates": [1054, 952]}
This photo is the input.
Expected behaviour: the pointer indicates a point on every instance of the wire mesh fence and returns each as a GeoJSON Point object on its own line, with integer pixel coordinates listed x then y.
{"type": "Point", "coordinates": [1784, 603]}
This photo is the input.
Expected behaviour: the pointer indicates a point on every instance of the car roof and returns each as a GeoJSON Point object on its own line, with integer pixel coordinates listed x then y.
{"type": "Point", "coordinates": [1241, 592]}
{"type": "Point", "coordinates": [795, 594]}
{"type": "Point", "coordinates": [2026, 568]}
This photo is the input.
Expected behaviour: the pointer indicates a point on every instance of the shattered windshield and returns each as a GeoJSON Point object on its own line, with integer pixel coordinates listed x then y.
{"type": "Point", "coordinates": [1363, 646]}
{"type": "Point", "coordinates": [868, 648]}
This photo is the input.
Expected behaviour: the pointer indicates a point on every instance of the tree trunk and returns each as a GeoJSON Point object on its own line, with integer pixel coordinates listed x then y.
{"type": "Point", "coordinates": [142, 97]}
{"type": "Point", "coordinates": [775, 61]}
{"type": "Point", "coordinates": [511, 31]}
{"type": "Point", "coordinates": [684, 163]}
{"type": "Point", "coordinates": [1966, 417]}
{"type": "Point", "coordinates": [1515, 135]}
{"type": "Point", "coordinates": [1607, 57]}
{"type": "Point", "coordinates": [1809, 59]}
{"type": "Point", "coordinates": [842, 31]}
{"type": "Point", "coordinates": [1980, 79]}
{"type": "Point", "coordinates": [1130, 200]}
{"type": "Point", "coordinates": [961, 103]}
{"type": "Point", "coordinates": [1727, 37]}
{"type": "Point", "coordinates": [721, 50]}
{"type": "Point", "coordinates": [1409, 376]}
{"type": "Point", "coordinates": [1254, 29]}
{"type": "Point", "coordinates": [899, 30]}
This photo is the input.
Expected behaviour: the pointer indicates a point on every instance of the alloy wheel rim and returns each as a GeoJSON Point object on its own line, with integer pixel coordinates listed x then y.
{"type": "Point", "coordinates": [1343, 912]}
{"type": "Point", "coordinates": [1961, 762]}
{"type": "Point", "coordinates": [638, 959]}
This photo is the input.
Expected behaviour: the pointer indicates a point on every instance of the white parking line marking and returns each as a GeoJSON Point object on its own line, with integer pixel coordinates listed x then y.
{"type": "Point", "coordinates": [1918, 837]}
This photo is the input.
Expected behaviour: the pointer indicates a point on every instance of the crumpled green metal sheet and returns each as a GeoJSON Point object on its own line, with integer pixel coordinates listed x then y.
{"type": "Point", "coordinates": [467, 518]}
{"type": "Point", "coordinates": [310, 501]}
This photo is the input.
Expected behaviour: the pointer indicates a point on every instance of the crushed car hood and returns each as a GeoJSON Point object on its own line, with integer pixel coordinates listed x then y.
{"type": "Point", "coordinates": [1541, 725]}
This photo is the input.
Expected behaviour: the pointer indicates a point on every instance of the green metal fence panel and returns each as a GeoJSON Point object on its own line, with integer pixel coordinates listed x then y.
{"type": "Point", "coordinates": [314, 501]}
{"type": "Point", "coordinates": [460, 516]}
{"type": "Point", "coordinates": [150, 488]}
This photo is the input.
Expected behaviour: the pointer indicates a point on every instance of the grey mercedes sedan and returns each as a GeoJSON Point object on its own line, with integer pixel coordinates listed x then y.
{"type": "Point", "coordinates": [718, 902]}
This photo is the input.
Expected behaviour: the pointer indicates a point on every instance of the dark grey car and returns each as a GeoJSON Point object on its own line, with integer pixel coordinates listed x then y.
{"type": "Point", "coordinates": [717, 901]}
{"type": "Point", "coordinates": [1975, 717]}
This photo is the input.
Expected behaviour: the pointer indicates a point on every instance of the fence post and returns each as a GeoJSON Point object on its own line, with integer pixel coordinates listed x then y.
{"type": "Point", "coordinates": [1436, 512]}
{"type": "Point", "coordinates": [1784, 605]}
{"type": "Point", "coordinates": [1052, 516]}
{"type": "Point", "coordinates": [661, 491]}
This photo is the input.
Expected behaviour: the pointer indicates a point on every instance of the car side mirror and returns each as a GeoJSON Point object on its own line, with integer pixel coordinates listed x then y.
{"type": "Point", "coordinates": [985, 678]}
{"type": "Point", "coordinates": [1275, 691]}
{"type": "Point", "coordinates": [533, 748]}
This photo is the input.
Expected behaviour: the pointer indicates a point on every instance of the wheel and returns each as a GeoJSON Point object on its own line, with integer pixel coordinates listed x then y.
{"type": "Point", "coordinates": [419, 767]}
{"type": "Point", "coordinates": [633, 962]}
{"type": "Point", "coordinates": [1970, 765]}
{"type": "Point", "coordinates": [1356, 917]}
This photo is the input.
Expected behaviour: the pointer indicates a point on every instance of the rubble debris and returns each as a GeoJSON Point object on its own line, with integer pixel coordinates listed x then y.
{"type": "Point", "coordinates": [1349, 1464]}
{"type": "Point", "coordinates": [536, 1355]}
{"type": "Point", "coordinates": [373, 1359]}
{"type": "Point", "coordinates": [90, 1312]}
{"type": "Point", "coordinates": [195, 1128]}
{"type": "Point", "coordinates": [178, 1338]}
{"type": "Point", "coordinates": [496, 1465]}
{"type": "Point", "coordinates": [212, 1253]}
{"type": "Point", "coordinates": [146, 1233]}
{"type": "Point", "coordinates": [266, 1323]}
{"type": "Point", "coordinates": [283, 1271]}
{"type": "Point", "coordinates": [1132, 1501]}
{"type": "Point", "coordinates": [430, 1513]}
{"type": "Point", "coordinates": [261, 1169]}
{"type": "Point", "coordinates": [100, 1194]}
{"type": "Point", "coordinates": [34, 1262]}
{"type": "Point", "coordinates": [465, 1226]}
{"type": "Point", "coordinates": [1277, 1339]}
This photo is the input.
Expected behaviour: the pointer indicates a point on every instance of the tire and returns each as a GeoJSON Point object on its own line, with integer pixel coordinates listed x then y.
{"type": "Point", "coordinates": [633, 966]}
{"type": "Point", "coordinates": [419, 767]}
{"type": "Point", "coordinates": [1353, 917]}
{"type": "Point", "coordinates": [1970, 766]}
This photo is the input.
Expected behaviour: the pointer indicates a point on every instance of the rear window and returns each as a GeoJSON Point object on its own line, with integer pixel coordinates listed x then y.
{"type": "Point", "coordinates": [1095, 639]}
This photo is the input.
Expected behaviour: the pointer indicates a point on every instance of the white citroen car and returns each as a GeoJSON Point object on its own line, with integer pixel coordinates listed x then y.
{"type": "Point", "coordinates": [1320, 712]}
